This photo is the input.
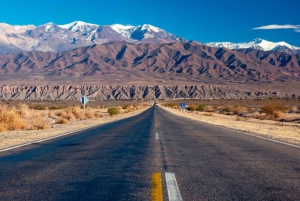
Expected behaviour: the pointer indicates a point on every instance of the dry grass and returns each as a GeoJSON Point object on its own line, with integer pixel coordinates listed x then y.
{"type": "Point", "coordinates": [37, 117]}
{"type": "Point", "coordinates": [10, 119]}
{"type": "Point", "coordinates": [270, 108]}
{"type": "Point", "coordinates": [287, 131]}
{"type": "Point", "coordinates": [239, 118]}
{"type": "Point", "coordinates": [39, 124]}
{"type": "Point", "coordinates": [294, 109]}
{"type": "Point", "coordinates": [278, 115]}
{"type": "Point", "coordinates": [61, 121]}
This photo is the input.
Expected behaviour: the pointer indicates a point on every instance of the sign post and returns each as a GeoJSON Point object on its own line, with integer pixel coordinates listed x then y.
{"type": "Point", "coordinates": [84, 100]}
{"type": "Point", "coordinates": [182, 106]}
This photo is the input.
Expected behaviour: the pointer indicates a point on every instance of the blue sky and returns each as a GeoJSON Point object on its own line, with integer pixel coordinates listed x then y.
{"type": "Point", "coordinates": [204, 21]}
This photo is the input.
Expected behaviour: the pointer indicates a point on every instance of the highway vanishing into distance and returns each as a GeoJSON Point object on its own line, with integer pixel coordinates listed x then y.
{"type": "Point", "coordinates": [151, 156]}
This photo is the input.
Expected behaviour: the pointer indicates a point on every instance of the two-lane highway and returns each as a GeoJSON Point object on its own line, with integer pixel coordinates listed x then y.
{"type": "Point", "coordinates": [122, 160]}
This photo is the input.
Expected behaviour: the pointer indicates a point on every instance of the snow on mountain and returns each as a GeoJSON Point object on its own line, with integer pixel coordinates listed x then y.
{"type": "Point", "coordinates": [125, 31]}
{"type": "Point", "coordinates": [257, 43]}
{"type": "Point", "coordinates": [14, 28]}
{"type": "Point", "coordinates": [79, 26]}
{"type": "Point", "coordinates": [57, 38]}
{"type": "Point", "coordinates": [149, 27]}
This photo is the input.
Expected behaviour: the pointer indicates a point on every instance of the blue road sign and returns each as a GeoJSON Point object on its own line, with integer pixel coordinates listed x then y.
{"type": "Point", "coordinates": [84, 100]}
{"type": "Point", "coordinates": [182, 105]}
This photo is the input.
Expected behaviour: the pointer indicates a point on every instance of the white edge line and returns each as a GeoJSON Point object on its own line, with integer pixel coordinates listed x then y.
{"type": "Point", "coordinates": [265, 138]}
{"type": "Point", "coordinates": [57, 136]}
{"type": "Point", "coordinates": [157, 136]}
{"type": "Point", "coordinates": [244, 133]}
{"type": "Point", "coordinates": [172, 187]}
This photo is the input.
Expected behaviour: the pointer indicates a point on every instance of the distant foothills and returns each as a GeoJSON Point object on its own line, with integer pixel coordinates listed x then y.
{"type": "Point", "coordinates": [58, 38]}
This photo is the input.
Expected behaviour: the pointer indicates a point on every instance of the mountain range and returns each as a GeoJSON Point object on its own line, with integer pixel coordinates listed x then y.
{"type": "Point", "coordinates": [188, 60]}
{"type": "Point", "coordinates": [122, 70]}
{"type": "Point", "coordinates": [258, 44]}
{"type": "Point", "coordinates": [58, 38]}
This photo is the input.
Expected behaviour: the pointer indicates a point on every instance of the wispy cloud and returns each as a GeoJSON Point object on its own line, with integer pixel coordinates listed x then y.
{"type": "Point", "coordinates": [276, 26]}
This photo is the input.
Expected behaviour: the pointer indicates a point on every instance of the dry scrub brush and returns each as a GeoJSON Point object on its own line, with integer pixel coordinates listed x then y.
{"type": "Point", "coordinates": [21, 117]}
{"type": "Point", "coordinates": [75, 112]}
{"type": "Point", "coordinates": [274, 110]}
{"type": "Point", "coordinates": [10, 119]}
{"type": "Point", "coordinates": [71, 113]}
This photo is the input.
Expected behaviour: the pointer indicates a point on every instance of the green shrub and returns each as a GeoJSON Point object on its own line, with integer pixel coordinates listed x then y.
{"type": "Point", "coordinates": [38, 107]}
{"type": "Point", "coordinates": [191, 108]}
{"type": "Point", "coordinates": [54, 107]}
{"type": "Point", "coordinates": [201, 107]}
{"type": "Point", "coordinates": [169, 105]}
{"type": "Point", "coordinates": [113, 111]}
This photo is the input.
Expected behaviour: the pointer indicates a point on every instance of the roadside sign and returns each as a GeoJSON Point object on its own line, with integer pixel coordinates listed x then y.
{"type": "Point", "coordinates": [182, 105]}
{"type": "Point", "coordinates": [84, 100]}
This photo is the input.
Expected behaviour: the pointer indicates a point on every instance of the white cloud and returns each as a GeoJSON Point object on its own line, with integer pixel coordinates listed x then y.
{"type": "Point", "coordinates": [276, 26]}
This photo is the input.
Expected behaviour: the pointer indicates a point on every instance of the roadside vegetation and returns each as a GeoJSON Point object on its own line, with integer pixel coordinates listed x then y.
{"type": "Point", "coordinates": [278, 110]}
{"type": "Point", "coordinates": [42, 117]}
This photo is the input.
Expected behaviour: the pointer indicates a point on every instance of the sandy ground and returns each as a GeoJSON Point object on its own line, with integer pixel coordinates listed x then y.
{"type": "Point", "coordinates": [281, 131]}
{"type": "Point", "coordinates": [14, 138]}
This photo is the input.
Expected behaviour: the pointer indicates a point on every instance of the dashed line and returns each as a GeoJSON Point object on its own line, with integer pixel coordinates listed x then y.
{"type": "Point", "coordinates": [172, 187]}
{"type": "Point", "coordinates": [157, 136]}
{"type": "Point", "coordinates": [156, 187]}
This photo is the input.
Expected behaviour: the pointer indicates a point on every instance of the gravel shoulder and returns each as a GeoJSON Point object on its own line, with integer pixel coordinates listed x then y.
{"type": "Point", "coordinates": [15, 138]}
{"type": "Point", "coordinates": [281, 131]}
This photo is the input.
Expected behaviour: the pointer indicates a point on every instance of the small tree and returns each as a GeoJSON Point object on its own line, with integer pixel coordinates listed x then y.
{"type": "Point", "coordinates": [113, 111]}
{"type": "Point", "coordinates": [201, 107]}
{"type": "Point", "coordinates": [191, 108]}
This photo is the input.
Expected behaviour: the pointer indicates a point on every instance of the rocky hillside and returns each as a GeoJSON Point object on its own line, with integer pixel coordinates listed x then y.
{"type": "Point", "coordinates": [189, 60]}
{"type": "Point", "coordinates": [130, 92]}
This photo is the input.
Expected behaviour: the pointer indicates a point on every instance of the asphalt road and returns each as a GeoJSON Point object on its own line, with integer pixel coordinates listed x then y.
{"type": "Point", "coordinates": [116, 161]}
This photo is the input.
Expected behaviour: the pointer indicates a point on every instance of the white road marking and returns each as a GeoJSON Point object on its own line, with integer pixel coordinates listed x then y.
{"type": "Point", "coordinates": [157, 136]}
{"type": "Point", "coordinates": [265, 138]}
{"type": "Point", "coordinates": [172, 187]}
{"type": "Point", "coordinates": [29, 143]}
{"type": "Point", "coordinates": [244, 133]}
{"type": "Point", "coordinates": [45, 139]}
{"type": "Point", "coordinates": [42, 140]}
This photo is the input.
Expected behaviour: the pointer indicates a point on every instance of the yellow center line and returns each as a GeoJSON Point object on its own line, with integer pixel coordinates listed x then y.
{"type": "Point", "coordinates": [156, 187]}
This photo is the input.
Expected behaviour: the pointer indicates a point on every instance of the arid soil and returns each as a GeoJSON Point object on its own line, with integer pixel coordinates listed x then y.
{"type": "Point", "coordinates": [14, 138]}
{"type": "Point", "coordinates": [282, 131]}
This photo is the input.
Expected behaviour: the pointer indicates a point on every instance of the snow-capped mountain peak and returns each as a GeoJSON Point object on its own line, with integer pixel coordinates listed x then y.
{"type": "Point", "coordinates": [124, 30]}
{"type": "Point", "coordinates": [48, 26]}
{"type": "Point", "coordinates": [257, 43]}
{"type": "Point", "coordinates": [79, 26]}
{"type": "Point", "coordinates": [57, 38]}
{"type": "Point", "coordinates": [149, 27]}
{"type": "Point", "coordinates": [15, 28]}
